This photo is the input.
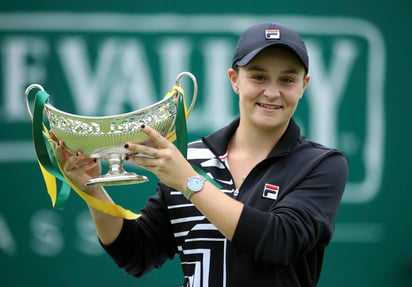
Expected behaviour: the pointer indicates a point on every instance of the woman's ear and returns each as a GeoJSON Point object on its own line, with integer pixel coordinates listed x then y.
{"type": "Point", "coordinates": [306, 81]}
{"type": "Point", "coordinates": [233, 77]}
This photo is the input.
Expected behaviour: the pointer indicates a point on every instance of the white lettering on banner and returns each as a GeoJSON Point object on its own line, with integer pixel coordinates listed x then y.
{"type": "Point", "coordinates": [50, 238]}
{"type": "Point", "coordinates": [327, 88]}
{"type": "Point", "coordinates": [174, 55]}
{"type": "Point", "coordinates": [218, 107]}
{"type": "Point", "coordinates": [47, 234]}
{"type": "Point", "coordinates": [46, 228]}
{"type": "Point", "coordinates": [7, 242]}
{"type": "Point", "coordinates": [24, 61]}
{"type": "Point", "coordinates": [86, 236]}
{"type": "Point", "coordinates": [372, 151]}
{"type": "Point", "coordinates": [122, 75]}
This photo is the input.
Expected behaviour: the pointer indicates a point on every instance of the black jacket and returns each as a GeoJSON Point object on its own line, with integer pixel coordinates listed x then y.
{"type": "Point", "coordinates": [291, 199]}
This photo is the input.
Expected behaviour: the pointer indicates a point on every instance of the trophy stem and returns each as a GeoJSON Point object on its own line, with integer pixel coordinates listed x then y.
{"type": "Point", "coordinates": [116, 174]}
{"type": "Point", "coordinates": [116, 164]}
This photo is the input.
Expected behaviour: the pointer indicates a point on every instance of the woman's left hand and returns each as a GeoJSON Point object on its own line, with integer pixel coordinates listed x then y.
{"type": "Point", "coordinates": [162, 158]}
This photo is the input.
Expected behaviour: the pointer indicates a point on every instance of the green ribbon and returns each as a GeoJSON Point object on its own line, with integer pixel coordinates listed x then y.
{"type": "Point", "coordinates": [181, 127]}
{"type": "Point", "coordinates": [44, 150]}
{"type": "Point", "coordinates": [181, 138]}
{"type": "Point", "coordinates": [51, 170]}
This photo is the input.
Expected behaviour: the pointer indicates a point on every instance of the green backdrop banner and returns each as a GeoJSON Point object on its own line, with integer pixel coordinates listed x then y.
{"type": "Point", "coordinates": [100, 59]}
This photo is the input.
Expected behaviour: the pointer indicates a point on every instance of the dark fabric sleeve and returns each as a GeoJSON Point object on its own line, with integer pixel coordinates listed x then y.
{"type": "Point", "coordinates": [145, 243]}
{"type": "Point", "coordinates": [301, 221]}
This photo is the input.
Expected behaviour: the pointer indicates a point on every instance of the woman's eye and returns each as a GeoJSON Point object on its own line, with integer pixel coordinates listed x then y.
{"type": "Point", "coordinates": [258, 78]}
{"type": "Point", "coordinates": [287, 80]}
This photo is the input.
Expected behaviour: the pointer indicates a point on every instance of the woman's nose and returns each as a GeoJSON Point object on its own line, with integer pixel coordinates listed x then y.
{"type": "Point", "coordinates": [272, 90]}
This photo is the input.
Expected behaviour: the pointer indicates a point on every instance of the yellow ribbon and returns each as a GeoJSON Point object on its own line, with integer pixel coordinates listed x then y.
{"type": "Point", "coordinates": [50, 182]}
{"type": "Point", "coordinates": [171, 136]}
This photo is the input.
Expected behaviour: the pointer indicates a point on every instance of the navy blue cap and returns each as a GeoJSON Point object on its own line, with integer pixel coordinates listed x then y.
{"type": "Point", "coordinates": [261, 36]}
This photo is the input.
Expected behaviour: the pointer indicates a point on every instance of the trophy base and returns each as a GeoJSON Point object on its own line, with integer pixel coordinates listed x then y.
{"type": "Point", "coordinates": [117, 179]}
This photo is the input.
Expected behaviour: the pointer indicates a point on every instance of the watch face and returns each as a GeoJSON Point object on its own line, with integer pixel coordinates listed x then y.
{"type": "Point", "coordinates": [195, 184]}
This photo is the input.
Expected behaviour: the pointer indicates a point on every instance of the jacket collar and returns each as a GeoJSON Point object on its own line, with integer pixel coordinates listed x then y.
{"type": "Point", "coordinates": [219, 140]}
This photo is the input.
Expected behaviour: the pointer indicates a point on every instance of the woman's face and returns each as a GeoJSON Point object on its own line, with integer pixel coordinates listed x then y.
{"type": "Point", "coordinates": [269, 88]}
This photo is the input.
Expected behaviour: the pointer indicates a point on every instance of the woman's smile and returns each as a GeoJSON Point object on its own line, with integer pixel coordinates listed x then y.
{"type": "Point", "coordinates": [270, 107]}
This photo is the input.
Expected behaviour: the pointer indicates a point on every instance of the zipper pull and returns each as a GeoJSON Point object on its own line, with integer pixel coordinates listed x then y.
{"type": "Point", "coordinates": [236, 192]}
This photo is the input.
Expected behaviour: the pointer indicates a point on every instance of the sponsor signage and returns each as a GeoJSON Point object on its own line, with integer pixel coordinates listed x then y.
{"type": "Point", "coordinates": [102, 64]}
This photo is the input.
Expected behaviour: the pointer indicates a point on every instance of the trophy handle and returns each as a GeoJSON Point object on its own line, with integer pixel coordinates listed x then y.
{"type": "Point", "coordinates": [27, 93]}
{"type": "Point", "coordinates": [195, 89]}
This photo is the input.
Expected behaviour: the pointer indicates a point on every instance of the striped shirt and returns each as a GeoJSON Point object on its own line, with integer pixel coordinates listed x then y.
{"type": "Point", "coordinates": [290, 202]}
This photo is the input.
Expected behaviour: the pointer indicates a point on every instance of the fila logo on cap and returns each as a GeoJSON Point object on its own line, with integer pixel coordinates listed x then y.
{"type": "Point", "coordinates": [272, 34]}
{"type": "Point", "coordinates": [270, 191]}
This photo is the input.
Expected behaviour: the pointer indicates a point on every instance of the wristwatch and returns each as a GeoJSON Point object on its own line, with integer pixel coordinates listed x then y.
{"type": "Point", "coordinates": [194, 184]}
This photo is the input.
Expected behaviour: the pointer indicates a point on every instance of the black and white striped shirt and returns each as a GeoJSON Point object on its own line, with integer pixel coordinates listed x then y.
{"type": "Point", "coordinates": [290, 201]}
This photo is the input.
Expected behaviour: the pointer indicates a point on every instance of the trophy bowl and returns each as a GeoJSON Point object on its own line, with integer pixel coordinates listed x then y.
{"type": "Point", "coordinates": [103, 137]}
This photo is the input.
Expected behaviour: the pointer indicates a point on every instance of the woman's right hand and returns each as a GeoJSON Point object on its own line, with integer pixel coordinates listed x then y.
{"type": "Point", "coordinates": [78, 168]}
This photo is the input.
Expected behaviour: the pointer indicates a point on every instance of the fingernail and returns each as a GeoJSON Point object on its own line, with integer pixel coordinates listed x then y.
{"type": "Point", "coordinates": [142, 126]}
{"type": "Point", "coordinates": [126, 146]}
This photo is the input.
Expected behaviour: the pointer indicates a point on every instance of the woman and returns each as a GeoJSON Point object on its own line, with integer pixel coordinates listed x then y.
{"type": "Point", "coordinates": [272, 217]}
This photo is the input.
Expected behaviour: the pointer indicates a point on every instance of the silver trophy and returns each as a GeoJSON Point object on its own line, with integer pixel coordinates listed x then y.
{"type": "Point", "coordinates": [104, 137]}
